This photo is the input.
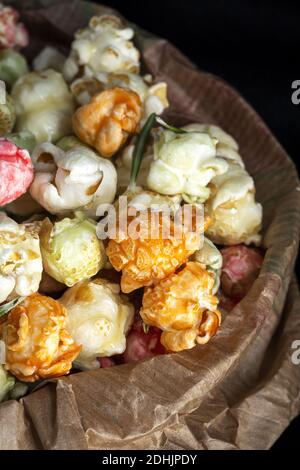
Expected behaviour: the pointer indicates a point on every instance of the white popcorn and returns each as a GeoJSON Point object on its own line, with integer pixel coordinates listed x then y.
{"type": "Point", "coordinates": [226, 146]}
{"type": "Point", "coordinates": [44, 105]}
{"type": "Point", "coordinates": [49, 58]}
{"type": "Point", "coordinates": [236, 216]}
{"type": "Point", "coordinates": [20, 259]}
{"type": "Point", "coordinates": [98, 318]}
{"type": "Point", "coordinates": [104, 46]}
{"type": "Point", "coordinates": [71, 180]}
{"type": "Point", "coordinates": [185, 164]}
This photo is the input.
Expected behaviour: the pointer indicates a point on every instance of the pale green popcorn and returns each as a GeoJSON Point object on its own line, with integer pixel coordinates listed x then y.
{"type": "Point", "coordinates": [185, 163]}
{"type": "Point", "coordinates": [10, 388]}
{"type": "Point", "coordinates": [211, 257]}
{"type": "Point", "coordinates": [70, 142]}
{"type": "Point", "coordinates": [7, 111]}
{"type": "Point", "coordinates": [20, 259]}
{"type": "Point", "coordinates": [12, 66]}
{"type": "Point", "coordinates": [7, 383]}
{"type": "Point", "coordinates": [44, 105]}
{"type": "Point", "coordinates": [70, 249]}
{"type": "Point", "coordinates": [23, 139]}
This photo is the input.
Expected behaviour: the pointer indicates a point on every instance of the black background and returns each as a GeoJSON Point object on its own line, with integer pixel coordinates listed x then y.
{"type": "Point", "coordinates": [254, 45]}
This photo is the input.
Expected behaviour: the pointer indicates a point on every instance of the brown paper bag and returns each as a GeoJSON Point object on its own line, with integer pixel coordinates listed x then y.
{"type": "Point", "coordinates": [241, 390]}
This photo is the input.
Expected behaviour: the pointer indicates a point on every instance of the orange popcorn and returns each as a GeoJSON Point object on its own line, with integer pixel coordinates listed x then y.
{"type": "Point", "coordinates": [37, 343]}
{"type": "Point", "coordinates": [147, 259]}
{"type": "Point", "coordinates": [108, 119]}
{"type": "Point", "coordinates": [182, 305]}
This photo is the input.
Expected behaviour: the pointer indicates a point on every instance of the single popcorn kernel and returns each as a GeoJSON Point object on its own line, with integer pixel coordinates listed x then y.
{"type": "Point", "coordinates": [105, 45]}
{"type": "Point", "coordinates": [37, 343]}
{"type": "Point", "coordinates": [20, 259]}
{"type": "Point", "coordinates": [12, 33]}
{"type": "Point", "coordinates": [182, 305]}
{"type": "Point", "coordinates": [109, 118]}
{"type": "Point", "coordinates": [16, 171]}
{"type": "Point", "coordinates": [146, 260]}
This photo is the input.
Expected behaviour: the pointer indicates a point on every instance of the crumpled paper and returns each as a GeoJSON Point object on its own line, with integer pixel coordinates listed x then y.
{"type": "Point", "coordinates": [241, 390]}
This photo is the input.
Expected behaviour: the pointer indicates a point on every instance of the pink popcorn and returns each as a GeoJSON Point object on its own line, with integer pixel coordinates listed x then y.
{"type": "Point", "coordinates": [241, 266]}
{"type": "Point", "coordinates": [16, 171]}
{"type": "Point", "coordinates": [141, 345]}
{"type": "Point", "coordinates": [106, 362]}
{"type": "Point", "coordinates": [12, 33]}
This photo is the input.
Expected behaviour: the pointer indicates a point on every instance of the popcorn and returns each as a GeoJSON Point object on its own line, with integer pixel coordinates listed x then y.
{"type": "Point", "coordinates": [44, 105]}
{"type": "Point", "coordinates": [104, 46]}
{"type": "Point", "coordinates": [107, 121]}
{"type": "Point", "coordinates": [142, 344]}
{"type": "Point", "coordinates": [236, 216]}
{"type": "Point", "coordinates": [98, 319]}
{"type": "Point", "coordinates": [20, 259]}
{"type": "Point", "coordinates": [145, 260]}
{"type": "Point", "coordinates": [71, 180]}
{"type": "Point", "coordinates": [49, 58]}
{"type": "Point", "coordinates": [23, 139]}
{"type": "Point", "coordinates": [7, 112]}
{"type": "Point", "coordinates": [12, 33]}
{"type": "Point", "coordinates": [153, 97]}
{"type": "Point", "coordinates": [241, 266]}
{"type": "Point", "coordinates": [38, 345]}
{"type": "Point", "coordinates": [211, 259]}
{"type": "Point", "coordinates": [16, 171]}
{"type": "Point", "coordinates": [12, 66]}
{"type": "Point", "coordinates": [70, 249]}
{"type": "Point", "coordinates": [7, 383]}
{"type": "Point", "coordinates": [185, 164]}
{"type": "Point", "coordinates": [226, 145]}
{"type": "Point", "coordinates": [143, 199]}
{"type": "Point", "coordinates": [182, 305]}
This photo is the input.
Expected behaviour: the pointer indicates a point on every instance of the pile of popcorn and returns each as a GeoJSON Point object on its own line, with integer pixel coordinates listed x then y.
{"type": "Point", "coordinates": [69, 133]}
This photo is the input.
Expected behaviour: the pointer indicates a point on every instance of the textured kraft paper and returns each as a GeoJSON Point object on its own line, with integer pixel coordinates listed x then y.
{"type": "Point", "coordinates": [241, 390]}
